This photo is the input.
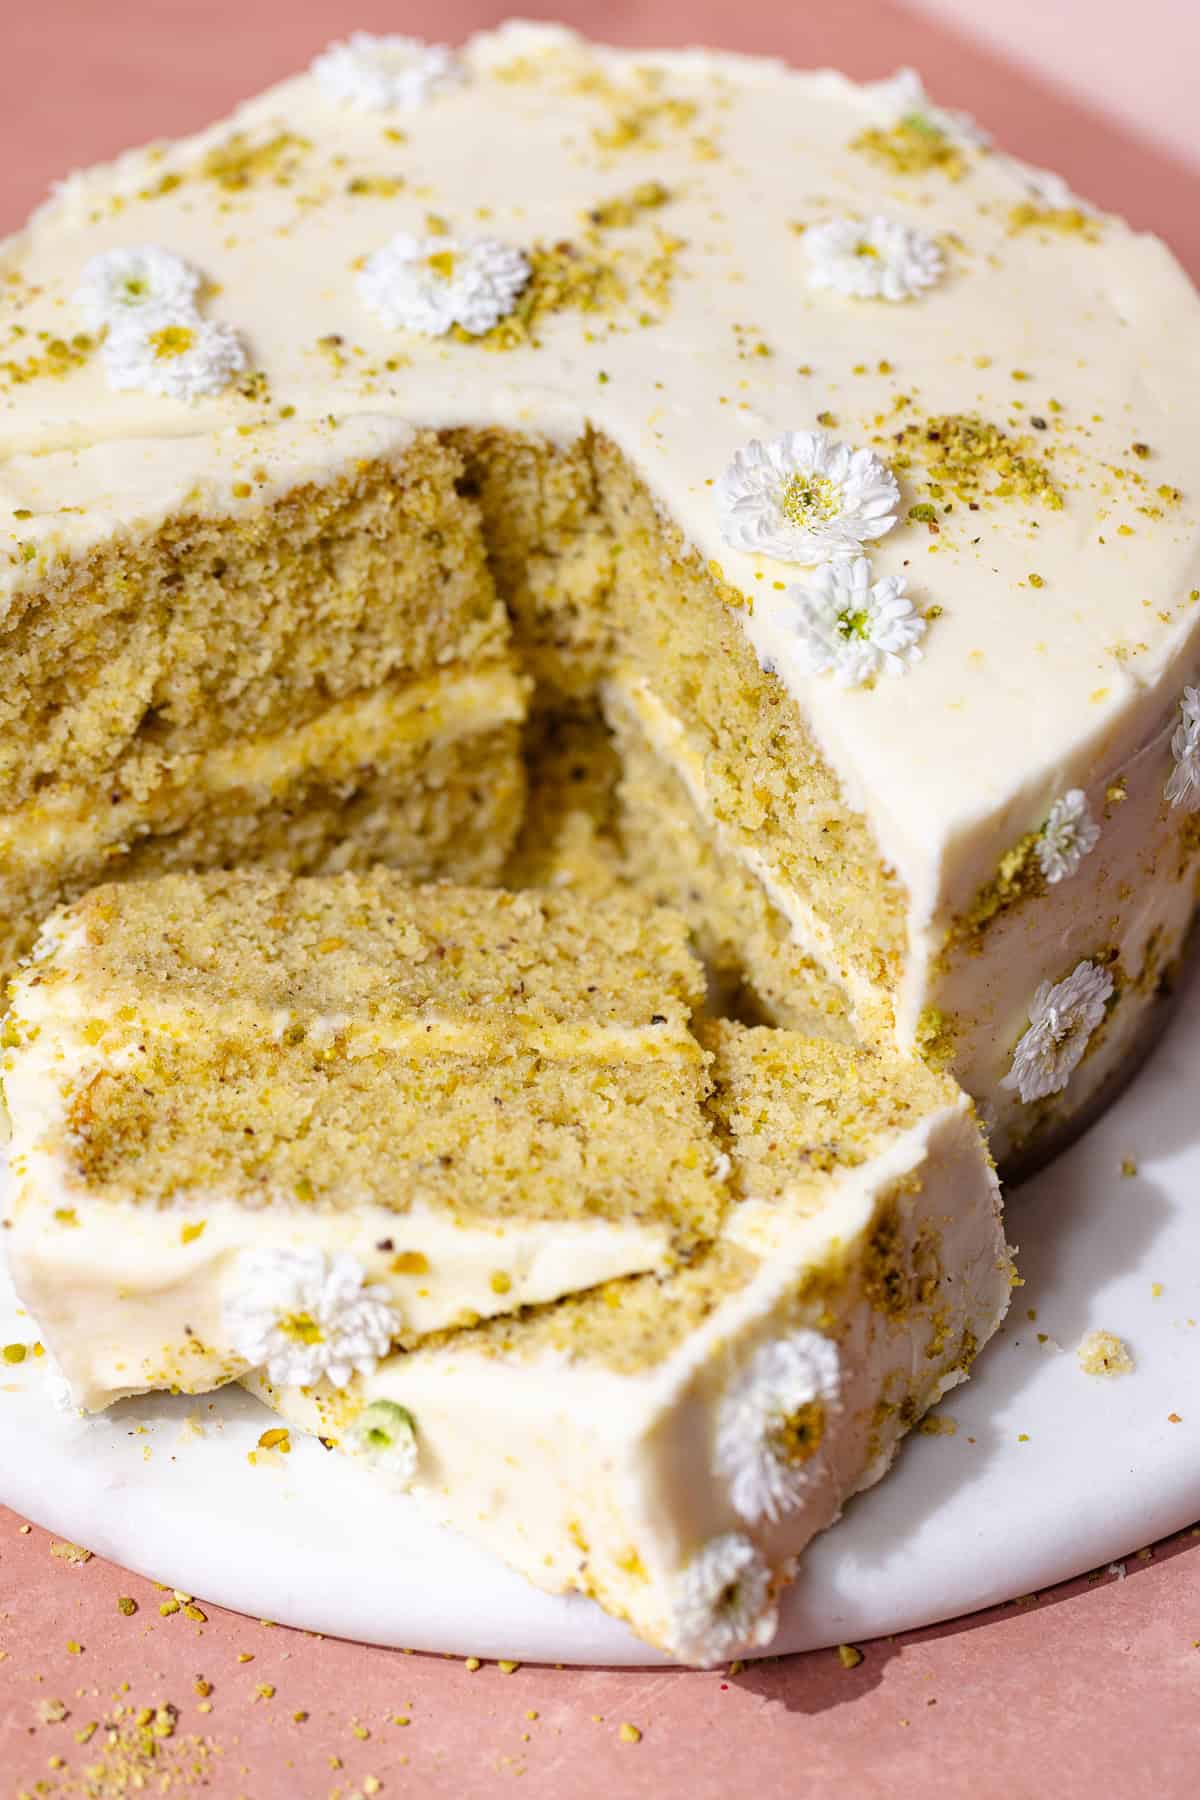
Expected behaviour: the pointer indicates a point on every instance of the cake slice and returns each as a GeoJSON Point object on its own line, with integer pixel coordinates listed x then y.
{"type": "Point", "coordinates": [670, 1444]}
{"type": "Point", "coordinates": [277, 645]}
{"type": "Point", "coordinates": [260, 1119]}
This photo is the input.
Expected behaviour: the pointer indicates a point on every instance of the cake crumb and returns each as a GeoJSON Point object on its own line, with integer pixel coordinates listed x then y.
{"type": "Point", "coordinates": [937, 1425]}
{"type": "Point", "coordinates": [629, 1734]}
{"type": "Point", "coordinates": [849, 1655]}
{"type": "Point", "coordinates": [472, 1663]}
{"type": "Point", "coordinates": [1117, 1569]}
{"type": "Point", "coordinates": [1128, 1166]}
{"type": "Point", "coordinates": [1103, 1353]}
{"type": "Point", "coordinates": [71, 1553]}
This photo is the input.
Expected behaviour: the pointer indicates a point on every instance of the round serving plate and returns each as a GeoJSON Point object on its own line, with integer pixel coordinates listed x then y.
{"type": "Point", "coordinates": [1037, 1471]}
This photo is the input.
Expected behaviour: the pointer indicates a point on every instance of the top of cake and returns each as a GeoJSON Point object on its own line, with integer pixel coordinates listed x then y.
{"type": "Point", "coordinates": [695, 254]}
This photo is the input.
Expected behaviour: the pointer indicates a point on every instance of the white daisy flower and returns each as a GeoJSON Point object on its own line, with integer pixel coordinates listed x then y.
{"type": "Point", "coordinates": [140, 284]}
{"type": "Point", "coordinates": [852, 628]}
{"type": "Point", "coordinates": [721, 1601]}
{"type": "Point", "coordinates": [377, 74]}
{"type": "Point", "coordinates": [431, 284]}
{"type": "Point", "coordinates": [386, 1434]}
{"type": "Point", "coordinates": [1052, 190]}
{"type": "Point", "coordinates": [879, 259]}
{"type": "Point", "coordinates": [1069, 834]}
{"type": "Point", "coordinates": [182, 359]}
{"type": "Point", "coordinates": [902, 100]}
{"type": "Point", "coordinates": [804, 497]}
{"type": "Point", "coordinates": [1061, 1021]}
{"type": "Point", "coordinates": [772, 1421]}
{"type": "Point", "coordinates": [1183, 784]}
{"type": "Point", "coordinates": [305, 1316]}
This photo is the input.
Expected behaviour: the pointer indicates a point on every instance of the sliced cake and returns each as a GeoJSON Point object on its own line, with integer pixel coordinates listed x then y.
{"type": "Point", "coordinates": [669, 1444]}
{"type": "Point", "coordinates": [257, 1117]}
{"type": "Point", "coordinates": [847, 456]}
{"type": "Point", "coordinates": [254, 647]}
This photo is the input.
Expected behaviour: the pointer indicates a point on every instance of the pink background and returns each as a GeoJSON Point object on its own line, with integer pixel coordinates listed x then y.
{"type": "Point", "coordinates": [1087, 1691]}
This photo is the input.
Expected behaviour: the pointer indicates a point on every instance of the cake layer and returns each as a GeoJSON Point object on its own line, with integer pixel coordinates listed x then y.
{"type": "Point", "coordinates": [551, 551]}
{"type": "Point", "coordinates": [459, 1101]}
{"type": "Point", "coordinates": [689, 674]}
{"type": "Point", "coordinates": [423, 776]}
{"type": "Point", "coordinates": [675, 857]}
{"type": "Point", "coordinates": [569, 837]}
{"type": "Point", "coordinates": [183, 595]}
{"type": "Point", "coordinates": [669, 1445]}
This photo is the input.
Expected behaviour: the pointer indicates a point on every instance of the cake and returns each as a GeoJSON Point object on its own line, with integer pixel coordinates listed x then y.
{"type": "Point", "coordinates": [461, 613]}
{"type": "Point", "coordinates": [669, 1445]}
{"type": "Point", "coordinates": [374, 1111]}
{"type": "Point", "coordinates": [843, 460]}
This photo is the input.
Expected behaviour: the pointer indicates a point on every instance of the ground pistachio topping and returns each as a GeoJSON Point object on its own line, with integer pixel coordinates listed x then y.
{"type": "Point", "coordinates": [971, 459]}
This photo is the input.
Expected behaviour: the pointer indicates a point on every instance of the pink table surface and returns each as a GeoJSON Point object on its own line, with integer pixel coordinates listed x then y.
{"type": "Point", "coordinates": [1087, 1691]}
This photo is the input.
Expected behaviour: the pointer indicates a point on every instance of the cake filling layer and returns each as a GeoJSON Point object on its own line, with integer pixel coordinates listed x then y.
{"type": "Point", "coordinates": [354, 733]}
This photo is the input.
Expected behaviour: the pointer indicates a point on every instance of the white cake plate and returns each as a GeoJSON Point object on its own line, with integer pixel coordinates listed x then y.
{"type": "Point", "coordinates": [1049, 1471]}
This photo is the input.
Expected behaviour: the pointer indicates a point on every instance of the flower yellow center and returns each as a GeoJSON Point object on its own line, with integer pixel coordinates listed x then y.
{"type": "Point", "coordinates": [302, 1327]}
{"type": "Point", "coordinates": [853, 624]}
{"type": "Point", "coordinates": [862, 248]}
{"type": "Point", "coordinates": [172, 340]}
{"type": "Point", "coordinates": [135, 287]}
{"type": "Point", "coordinates": [796, 1436]}
{"type": "Point", "coordinates": [728, 1598]}
{"type": "Point", "coordinates": [808, 500]}
{"type": "Point", "coordinates": [442, 263]}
